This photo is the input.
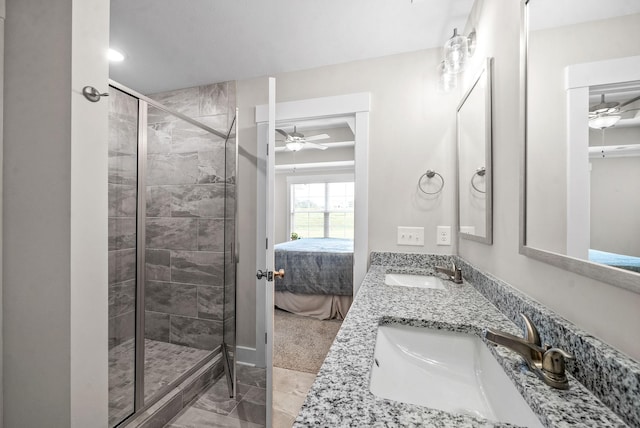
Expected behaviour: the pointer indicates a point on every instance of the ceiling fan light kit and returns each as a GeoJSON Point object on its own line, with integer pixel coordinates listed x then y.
{"type": "Point", "coordinates": [607, 114]}
{"type": "Point", "coordinates": [294, 146]}
{"type": "Point", "coordinates": [601, 122]}
{"type": "Point", "coordinates": [297, 141]}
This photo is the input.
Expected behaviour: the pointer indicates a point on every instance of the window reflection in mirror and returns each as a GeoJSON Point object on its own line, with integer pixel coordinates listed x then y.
{"type": "Point", "coordinates": [592, 215]}
{"type": "Point", "coordinates": [474, 159]}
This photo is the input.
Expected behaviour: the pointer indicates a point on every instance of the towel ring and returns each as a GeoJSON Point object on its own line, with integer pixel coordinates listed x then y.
{"type": "Point", "coordinates": [480, 172]}
{"type": "Point", "coordinates": [430, 174]}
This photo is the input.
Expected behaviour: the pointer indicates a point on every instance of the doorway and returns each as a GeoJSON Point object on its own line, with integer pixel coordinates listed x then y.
{"type": "Point", "coordinates": [355, 109]}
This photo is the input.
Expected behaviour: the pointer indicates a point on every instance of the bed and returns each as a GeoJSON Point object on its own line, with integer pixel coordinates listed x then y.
{"type": "Point", "coordinates": [318, 279]}
{"type": "Point", "coordinates": [616, 260]}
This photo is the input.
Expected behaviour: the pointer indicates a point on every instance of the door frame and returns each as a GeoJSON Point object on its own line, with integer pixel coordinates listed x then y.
{"type": "Point", "coordinates": [356, 105]}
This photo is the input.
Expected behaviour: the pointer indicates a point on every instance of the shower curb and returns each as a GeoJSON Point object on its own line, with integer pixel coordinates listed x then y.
{"type": "Point", "coordinates": [178, 398]}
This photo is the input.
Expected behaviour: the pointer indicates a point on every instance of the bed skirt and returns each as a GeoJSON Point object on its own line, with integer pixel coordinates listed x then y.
{"type": "Point", "coordinates": [320, 306]}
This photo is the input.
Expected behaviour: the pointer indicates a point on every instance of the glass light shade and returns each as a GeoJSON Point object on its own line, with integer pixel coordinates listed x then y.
{"type": "Point", "coordinates": [446, 81]}
{"type": "Point", "coordinates": [294, 146]}
{"type": "Point", "coordinates": [602, 122]}
{"type": "Point", "coordinates": [455, 52]}
{"type": "Point", "coordinates": [115, 56]}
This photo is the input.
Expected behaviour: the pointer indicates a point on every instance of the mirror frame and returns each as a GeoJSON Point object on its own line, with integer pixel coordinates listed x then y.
{"type": "Point", "coordinates": [485, 73]}
{"type": "Point", "coordinates": [615, 276]}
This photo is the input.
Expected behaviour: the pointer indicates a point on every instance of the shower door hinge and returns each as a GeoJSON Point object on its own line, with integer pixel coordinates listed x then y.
{"type": "Point", "coordinates": [266, 242]}
{"type": "Point", "coordinates": [267, 150]}
{"type": "Point", "coordinates": [265, 338]}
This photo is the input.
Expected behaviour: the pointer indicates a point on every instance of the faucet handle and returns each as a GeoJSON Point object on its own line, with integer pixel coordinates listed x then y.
{"type": "Point", "coordinates": [553, 367]}
{"type": "Point", "coordinates": [531, 334]}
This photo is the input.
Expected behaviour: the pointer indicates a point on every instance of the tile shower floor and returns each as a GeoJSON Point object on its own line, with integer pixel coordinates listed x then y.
{"type": "Point", "coordinates": [164, 362]}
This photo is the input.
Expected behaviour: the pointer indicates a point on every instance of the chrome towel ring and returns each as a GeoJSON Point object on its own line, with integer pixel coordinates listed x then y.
{"type": "Point", "coordinates": [430, 174]}
{"type": "Point", "coordinates": [480, 172]}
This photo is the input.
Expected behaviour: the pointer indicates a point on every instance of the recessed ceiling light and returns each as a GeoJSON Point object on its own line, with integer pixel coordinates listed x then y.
{"type": "Point", "coordinates": [115, 56]}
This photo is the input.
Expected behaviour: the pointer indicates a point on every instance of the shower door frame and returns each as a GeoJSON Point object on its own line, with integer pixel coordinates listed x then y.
{"type": "Point", "coordinates": [140, 404]}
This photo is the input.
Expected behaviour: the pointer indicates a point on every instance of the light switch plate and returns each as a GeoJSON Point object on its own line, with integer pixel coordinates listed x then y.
{"type": "Point", "coordinates": [443, 235]}
{"type": "Point", "coordinates": [411, 236]}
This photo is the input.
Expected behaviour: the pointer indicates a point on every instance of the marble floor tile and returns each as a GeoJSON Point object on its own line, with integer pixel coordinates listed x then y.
{"type": "Point", "coordinates": [193, 417]}
{"type": "Point", "coordinates": [252, 407]}
{"type": "Point", "coordinates": [290, 389]}
{"type": "Point", "coordinates": [252, 376]}
{"type": "Point", "coordinates": [286, 380]}
{"type": "Point", "coordinates": [282, 420]}
{"type": "Point", "coordinates": [214, 408]}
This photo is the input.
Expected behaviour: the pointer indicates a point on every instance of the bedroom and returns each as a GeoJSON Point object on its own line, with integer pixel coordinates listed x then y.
{"type": "Point", "coordinates": [314, 231]}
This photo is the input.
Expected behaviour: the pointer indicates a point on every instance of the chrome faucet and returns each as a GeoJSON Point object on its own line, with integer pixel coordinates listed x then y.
{"type": "Point", "coordinates": [454, 274]}
{"type": "Point", "coordinates": [547, 363]}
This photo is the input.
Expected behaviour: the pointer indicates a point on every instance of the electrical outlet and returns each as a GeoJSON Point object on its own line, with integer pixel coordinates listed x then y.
{"type": "Point", "coordinates": [411, 236]}
{"type": "Point", "coordinates": [443, 235]}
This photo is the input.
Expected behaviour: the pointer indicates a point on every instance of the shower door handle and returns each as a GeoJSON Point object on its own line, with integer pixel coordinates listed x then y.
{"type": "Point", "coordinates": [270, 274]}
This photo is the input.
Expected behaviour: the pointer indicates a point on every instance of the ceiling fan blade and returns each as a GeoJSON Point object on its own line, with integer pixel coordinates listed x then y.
{"type": "Point", "coordinates": [283, 133]}
{"type": "Point", "coordinates": [315, 146]}
{"type": "Point", "coordinates": [630, 101]}
{"type": "Point", "coordinates": [317, 137]}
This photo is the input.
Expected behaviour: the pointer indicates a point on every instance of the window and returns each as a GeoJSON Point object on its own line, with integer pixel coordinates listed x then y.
{"type": "Point", "coordinates": [322, 210]}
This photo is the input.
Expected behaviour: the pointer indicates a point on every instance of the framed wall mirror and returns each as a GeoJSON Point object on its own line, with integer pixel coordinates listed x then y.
{"type": "Point", "coordinates": [474, 134]}
{"type": "Point", "coordinates": [581, 157]}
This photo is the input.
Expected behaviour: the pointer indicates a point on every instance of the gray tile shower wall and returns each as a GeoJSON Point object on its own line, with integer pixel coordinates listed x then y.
{"type": "Point", "coordinates": [123, 138]}
{"type": "Point", "coordinates": [612, 376]}
{"type": "Point", "coordinates": [187, 183]}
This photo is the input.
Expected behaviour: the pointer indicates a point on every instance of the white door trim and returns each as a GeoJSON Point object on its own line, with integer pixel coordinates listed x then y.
{"type": "Point", "coordinates": [578, 79]}
{"type": "Point", "coordinates": [355, 105]}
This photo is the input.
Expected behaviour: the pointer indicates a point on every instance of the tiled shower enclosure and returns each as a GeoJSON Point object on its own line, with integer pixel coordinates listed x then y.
{"type": "Point", "coordinates": [171, 238]}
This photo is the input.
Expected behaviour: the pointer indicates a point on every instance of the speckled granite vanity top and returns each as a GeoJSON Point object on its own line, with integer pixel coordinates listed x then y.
{"type": "Point", "coordinates": [340, 396]}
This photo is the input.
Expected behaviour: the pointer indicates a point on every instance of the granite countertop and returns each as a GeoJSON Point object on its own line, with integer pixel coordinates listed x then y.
{"type": "Point", "coordinates": [340, 395]}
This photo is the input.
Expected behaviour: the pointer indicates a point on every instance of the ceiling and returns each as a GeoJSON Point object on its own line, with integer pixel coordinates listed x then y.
{"type": "Point", "coordinates": [554, 13]}
{"type": "Point", "coordinates": [171, 44]}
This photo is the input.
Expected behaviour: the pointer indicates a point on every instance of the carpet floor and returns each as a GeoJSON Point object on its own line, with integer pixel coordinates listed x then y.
{"type": "Point", "coordinates": [302, 343]}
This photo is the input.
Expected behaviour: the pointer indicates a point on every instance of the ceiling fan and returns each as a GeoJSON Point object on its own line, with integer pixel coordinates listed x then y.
{"type": "Point", "coordinates": [296, 141]}
{"type": "Point", "coordinates": [607, 114]}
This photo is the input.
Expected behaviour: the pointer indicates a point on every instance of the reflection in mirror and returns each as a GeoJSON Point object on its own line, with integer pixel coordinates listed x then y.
{"type": "Point", "coordinates": [614, 159]}
{"type": "Point", "coordinates": [474, 160]}
{"type": "Point", "coordinates": [582, 156]}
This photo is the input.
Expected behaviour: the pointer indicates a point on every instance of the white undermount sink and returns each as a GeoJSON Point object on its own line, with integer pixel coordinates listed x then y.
{"type": "Point", "coordinates": [420, 281]}
{"type": "Point", "coordinates": [445, 370]}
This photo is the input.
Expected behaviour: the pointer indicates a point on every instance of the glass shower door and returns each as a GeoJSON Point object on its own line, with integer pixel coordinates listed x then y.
{"type": "Point", "coordinates": [123, 143]}
{"type": "Point", "coordinates": [184, 257]}
{"type": "Point", "coordinates": [171, 242]}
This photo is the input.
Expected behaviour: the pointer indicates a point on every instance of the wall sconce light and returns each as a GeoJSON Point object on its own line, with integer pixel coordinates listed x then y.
{"type": "Point", "coordinates": [456, 52]}
{"type": "Point", "coordinates": [447, 81]}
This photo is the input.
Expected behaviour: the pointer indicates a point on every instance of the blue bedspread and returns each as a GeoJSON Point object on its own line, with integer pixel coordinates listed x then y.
{"type": "Point", "coordinates": [316, 266]}
{"type": "Point", "coordinates": [617, 260]}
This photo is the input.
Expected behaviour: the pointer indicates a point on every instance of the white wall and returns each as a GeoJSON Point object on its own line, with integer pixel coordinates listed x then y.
{"type": "Point", "coordinates": [55, 223]}
{"type": "Point", "coordinates": [615, 204]}
{"type": "Point", "coordinates": [412, 129]}
{"type": "Point", "coordinates": [609, 313]}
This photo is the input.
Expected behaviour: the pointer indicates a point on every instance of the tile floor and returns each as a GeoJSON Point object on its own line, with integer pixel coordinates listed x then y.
{"type": "Point", "coordinates": [214, 408]}
{"type": "Point", "coordinates": [290, 389]}
{"type": "Point", "coordinates": [164, 362]}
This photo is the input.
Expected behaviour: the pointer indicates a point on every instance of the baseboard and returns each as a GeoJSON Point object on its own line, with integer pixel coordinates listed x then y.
{"type": "Point", "coordinates": [246, 355]}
